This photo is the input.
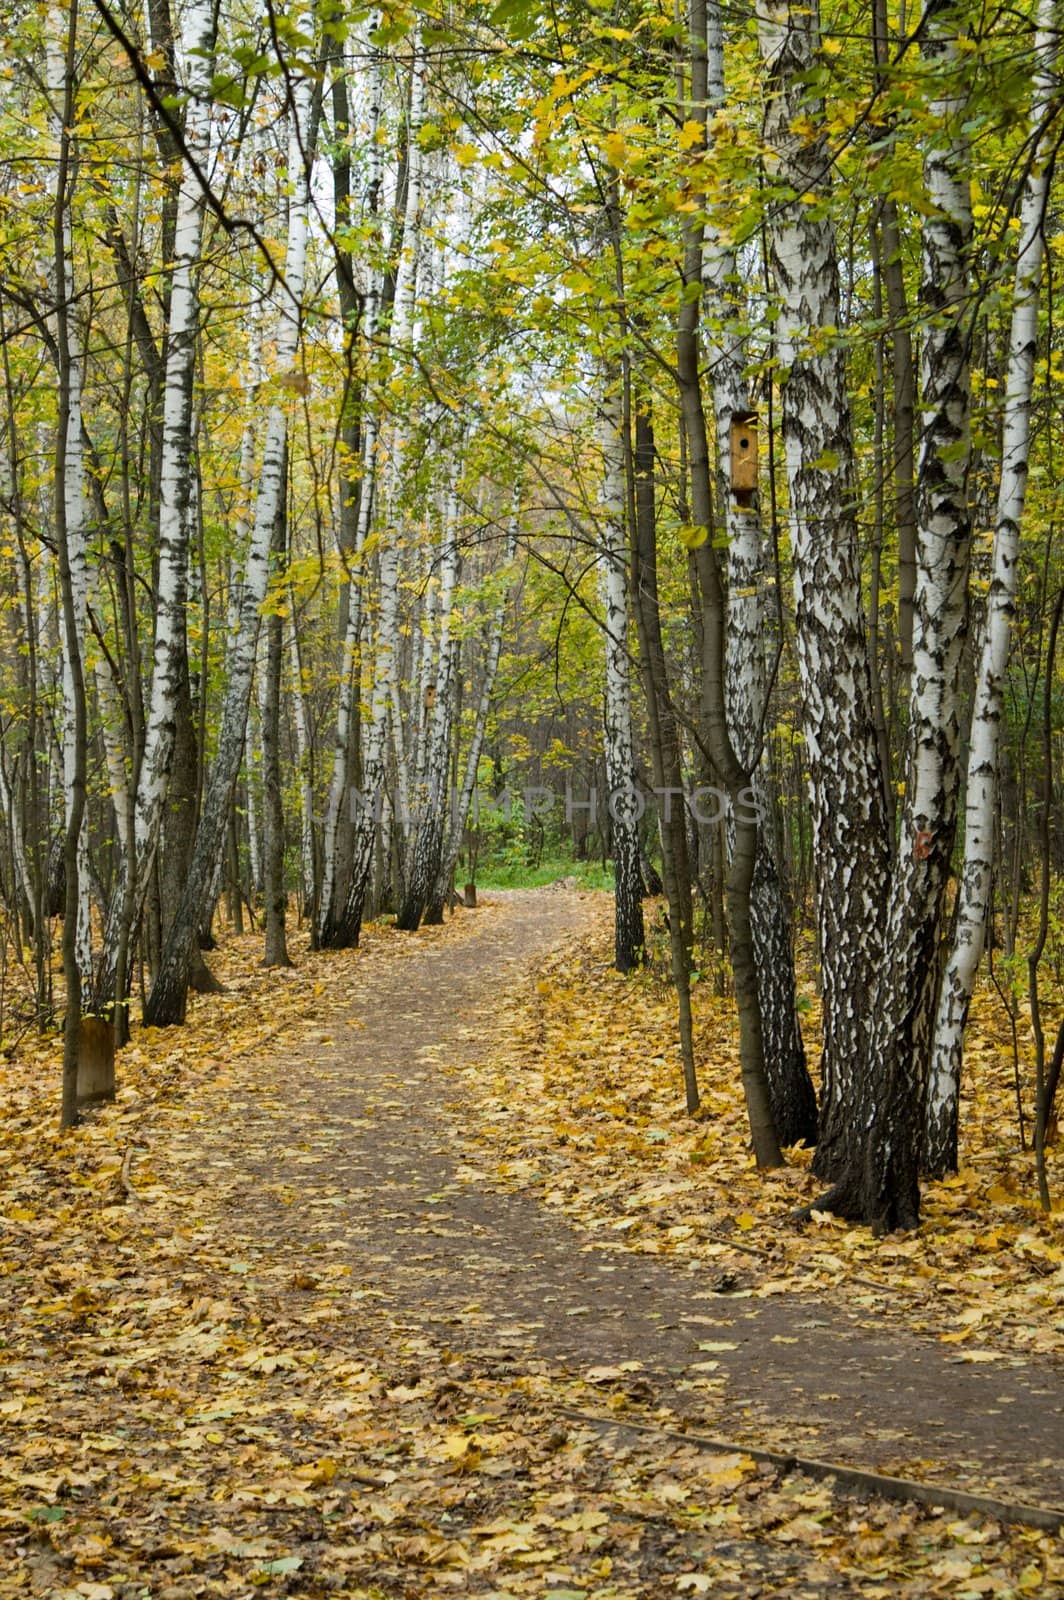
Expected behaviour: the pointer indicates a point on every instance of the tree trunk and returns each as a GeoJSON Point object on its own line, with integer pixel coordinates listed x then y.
{"type": "Point", "coordinates": [274, 895]}
{"type": "Point", "coordinates": [973, 903]}
{"type": "Point", "coordinates": [718, 742]}
{"type": "Point", "coordinates": [167, 1000]}
{"type": "Point", "coordinates": [882, 1187]}
{"type": "Point", "coordinates": [434, 911]}
{"type": "Point", "coordinates": [344, 928]}
{"type": "Point", "coordinates": [70, 541]}
{"type": "Point", "coordinates": [664, 735]}
{"type": "Point", "coordinates": [427, 852]}
{"type": "Point", "coordinates": [629, 938]}
{"type": "Point", "coordinates": [307, 855]}
{"type": "Point", "coordinates": [790, 1089]}
{"type": "Point", "coordinates": [849, 824]}
{"type": "Point", "coordinates": [170, 650]}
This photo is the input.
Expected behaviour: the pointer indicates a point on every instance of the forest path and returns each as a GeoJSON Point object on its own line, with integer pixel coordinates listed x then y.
{"type": "Point", "coordinates": [351, 1152]}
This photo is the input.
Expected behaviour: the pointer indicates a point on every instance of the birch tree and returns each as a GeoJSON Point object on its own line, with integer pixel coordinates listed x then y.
{"type": "Point", "coordinates": [167, 1000]}
{"type": "Point", "coordinates": [70, 509]}
{"type": "Point", "coordinates": [982, 788]}
{"type": "Point", "coordinates": [385, 690]}
{"type": "Point", "coordinates": [467, 789]}
{"type": "Point", "coordinates": [330, 928]}
{"type": "Point", "coordinates": [848, 819]}
{"type": "Point", "coordinates": [427, 850]}
{"type": "Point", "coordinates": [71, 545]}
{"type": "Point", "coordinates": [883, 1187]}
{"type": "Point", "coordinates": [629, 937]}
{"type": "Point", "coordinates": [790, 1087]}
{"type": "Point", "coordinates": [169, 682]}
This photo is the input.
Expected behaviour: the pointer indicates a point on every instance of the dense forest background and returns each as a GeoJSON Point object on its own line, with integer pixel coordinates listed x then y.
{"type": "Point", "coordinates": [439, 443]}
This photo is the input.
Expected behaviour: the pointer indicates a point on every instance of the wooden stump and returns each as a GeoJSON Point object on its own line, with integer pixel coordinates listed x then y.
{"type": "Point", "coordinates": [96, 1061]}
{"type": "Point", "coordinates": [469, 896]}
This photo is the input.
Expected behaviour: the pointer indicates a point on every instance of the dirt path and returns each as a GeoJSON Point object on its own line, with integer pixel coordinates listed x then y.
{"type": "Point", "coordinates": [352, 1155]}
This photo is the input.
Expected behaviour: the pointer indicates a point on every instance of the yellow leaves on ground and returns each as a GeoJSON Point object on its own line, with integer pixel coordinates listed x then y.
{"type": "Point", "coordinates": [585, 1106]}
{"type": "Point", "coordinates": [188, 1414]}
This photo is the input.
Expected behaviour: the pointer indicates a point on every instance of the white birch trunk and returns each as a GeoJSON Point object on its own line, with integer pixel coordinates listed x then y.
{"type": "Point", "coordinates": [75, 509]}
{"type": "Point", "coordinates": [169, 653]}
{"type": "Point", "coordinates": [468, 786]}
{"type": "Point", "coordinates": [13, 822]}
{"type": "Point", "coordinates": [849, 826]}
{"type": "Point", "coordinates": [432, 810]}
{"type": "Point", "coordinates": [253, 775]}
{"type": "Point", "coordinates": [306, 789]}
{"type": "Point", "coordinates": [166, 1003]}
{"type": "Point", "coordinates": [629, 936]}
{"type": "Point", "coordinates": [973, 904]}
{"type": "Point", "coordinates": [384, 704]}
{"type": "Point", "coordinates": [888, 1187]}
{"type": "Point", "coordinates": [793, 1099]}
{"type": "Point", "coordinates": [347, 707]}
{"type": "Point", "coordinates": [374, 747]}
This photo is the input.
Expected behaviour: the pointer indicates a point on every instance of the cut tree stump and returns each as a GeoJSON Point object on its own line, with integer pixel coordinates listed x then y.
{"type": "Point", "coordinates": [96, 1061]}
{"type": "Point", "coordinates": [469, 896]}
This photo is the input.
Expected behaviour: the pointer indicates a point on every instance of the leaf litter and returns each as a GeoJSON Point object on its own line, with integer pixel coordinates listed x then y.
{"type": "Point", "coordinates": [191, 1408]}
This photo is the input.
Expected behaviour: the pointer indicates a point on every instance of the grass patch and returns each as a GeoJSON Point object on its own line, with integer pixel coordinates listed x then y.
{"type": "Point", "coordinates": [518, 875]}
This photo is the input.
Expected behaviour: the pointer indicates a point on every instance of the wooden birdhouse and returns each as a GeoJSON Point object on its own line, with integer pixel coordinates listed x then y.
{"type": "Point", "coordinates": [744, 457]}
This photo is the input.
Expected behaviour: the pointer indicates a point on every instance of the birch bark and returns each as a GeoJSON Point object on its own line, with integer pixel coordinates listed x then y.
{"type": "Point", "coordinates": [629, 938]}
{"type": "Point", "coordinates": [973, 905]}
{"type": "Point", "coordinates": [170, 648]}
{"type": "Point", "coordinates": [385, 690]}
{"type": "Point", "coordinates": [849, 824]}
{"type": "Point", "coordinates": [467, 790]}
{"type": "Point", "coordinates": [791, 1093]}
{"type": "Point", "coordinates": [427, 848]}
{"type": "Point", "coordinates": [881, 1184]}
{"type": "Point", "coordinates": [166, 1002]}
{"type": "Point", "coordinates": [360, 430]}
{"type": "Point", "coordinates": [70, 478]}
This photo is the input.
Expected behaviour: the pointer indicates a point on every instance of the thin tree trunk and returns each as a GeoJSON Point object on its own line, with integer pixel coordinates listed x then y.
{"type": "Point", "coordinates": [70, 543]}
{"type": "Point", "coordinates": [719, 747]}
{"type": "Point", "coordinates": [385, 692]}
{"type": "Point", "coordinates": [903, 375]}
{"type": "Point", "coordinates": [790, 1089]}
{"type": "Point", "coordinates": [434, 911]}
{"type": "Point", "coordinates": [973, 903]}
{"type": "Point", "coordinates": [664, 735]}
{"type": "Point", "coordinates": [275, 898]}
{"type": "Point", "coordinates": [167, 1000]}
{"type": "Point", "coordinates": [427, 852]}
{"type": "Point", "coordinates": [629, 937]}
{"type": "Point", "coordinates": [170, 650]}
{"type": "Point", "coordinates": [303, 757]}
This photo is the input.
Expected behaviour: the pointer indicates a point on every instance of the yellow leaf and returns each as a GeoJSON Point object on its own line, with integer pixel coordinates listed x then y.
{"type": "Point", "coordinates": [616, 149]}
{"type": "Point", "coordinates": [691, 133]}
{"type": "Point", "coordinates": [454, 1446]}
{"type": "Point", "coordinates": [745, 1221]}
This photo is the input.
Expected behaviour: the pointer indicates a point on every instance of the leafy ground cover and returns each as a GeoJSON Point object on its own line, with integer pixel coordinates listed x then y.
{"type": "Point", "coordinates": [591, 1056]}
{"type": "Point", "coordinates": [204, 1397]}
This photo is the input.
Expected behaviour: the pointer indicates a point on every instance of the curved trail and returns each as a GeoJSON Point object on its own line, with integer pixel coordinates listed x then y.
{"type": "Point", "coordinates": [349, 1153]}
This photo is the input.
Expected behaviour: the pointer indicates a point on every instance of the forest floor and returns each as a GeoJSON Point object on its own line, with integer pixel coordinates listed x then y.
{"type": "Point", "coordinates": [401, 1273]}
